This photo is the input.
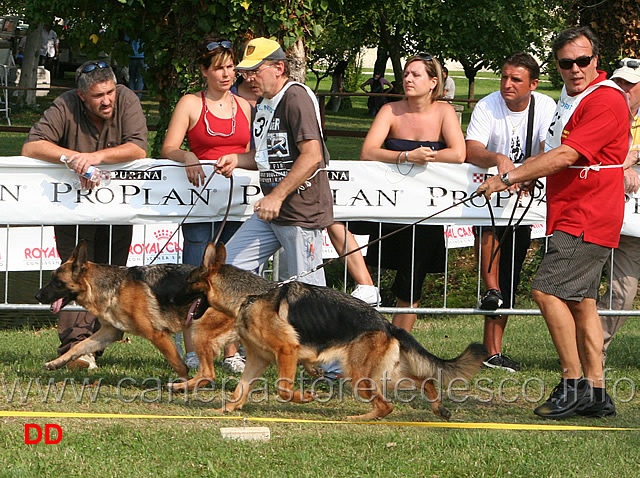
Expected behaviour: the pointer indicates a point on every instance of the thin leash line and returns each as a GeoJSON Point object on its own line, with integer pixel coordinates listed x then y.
{"type": "Point", "coordinates": [496, 249]}
{"type": "Point", "coordinates": [204, 186]}
{"type": "Point", "coordinates": [244, 419]}
{"type": "Point", "coordinates": [474, 195]}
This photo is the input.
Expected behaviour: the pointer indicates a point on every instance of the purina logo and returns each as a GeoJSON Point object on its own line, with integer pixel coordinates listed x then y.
{"type": "Point", "coordinates": [338, 175]}
{"type": "Point", "coordinates": [150, 175]}
{"type": "Point", "coordinates": [163, 234]}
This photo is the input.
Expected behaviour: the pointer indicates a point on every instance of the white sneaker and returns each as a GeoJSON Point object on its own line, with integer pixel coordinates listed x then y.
{"type": "Point", "coordinates": [84, 361]}
{"type": "Point", "coordinates": [367, 293]}
{"type": "Point", "coordinates": [234, 364]}
{"type": "Point", "coordinates": [191, 360]}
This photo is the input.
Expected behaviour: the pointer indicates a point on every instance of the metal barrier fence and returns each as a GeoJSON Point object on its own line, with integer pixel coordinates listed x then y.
{"type": "Point", "coordinates": [18, 287]}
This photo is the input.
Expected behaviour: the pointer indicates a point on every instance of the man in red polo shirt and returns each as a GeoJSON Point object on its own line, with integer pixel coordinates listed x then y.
{"type": "Point", "coordinates": [584, 153]}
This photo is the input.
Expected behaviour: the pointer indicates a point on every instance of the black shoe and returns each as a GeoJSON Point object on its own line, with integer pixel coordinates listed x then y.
{"type": "Point", "coordinates": [503, 362]}
{"type": "Point", "coordinates": [566, 399]}
{"type": "Point", "coordinates": [605, 408]}
{"type": "Point", "coordinates": [491, 300]}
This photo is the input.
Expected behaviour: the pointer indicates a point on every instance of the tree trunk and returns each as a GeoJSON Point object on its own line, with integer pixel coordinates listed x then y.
{"type": "Point", "coordinates": [392, 46]}
{"type": "Point", "coordinates": [29, 69]}
{"type": "Point", "coordinates": [297, 58]}
{"type": "Point", "coordinates": [470, 72]}
{"type": "Point", "coordinates": [380, 66]}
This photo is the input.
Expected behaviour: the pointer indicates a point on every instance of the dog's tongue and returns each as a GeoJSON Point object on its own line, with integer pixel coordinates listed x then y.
{"type": "Point", "coordinates": [192, 310]}
{"type": "Point", "coordinates": [56, 306]}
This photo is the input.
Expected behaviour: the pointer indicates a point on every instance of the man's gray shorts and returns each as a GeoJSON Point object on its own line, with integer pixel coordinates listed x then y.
{"type": "Point", "coordinates": [257, 240]}
{"type": "Point", "coordinates": [571, 268]}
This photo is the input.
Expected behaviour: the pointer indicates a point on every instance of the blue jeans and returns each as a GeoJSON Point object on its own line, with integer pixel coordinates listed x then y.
{"type": "Point", "coordinates": [198, 234]}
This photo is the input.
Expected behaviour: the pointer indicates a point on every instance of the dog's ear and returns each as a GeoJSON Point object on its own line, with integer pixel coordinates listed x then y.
{"type": "Point", "coordinates": [213, 255]}
{"type": "Point", "coordinates": [209, 255]}
{"type": "Point", "coordinates": [80, 257]}
{"type": "Point", "coordinates": [221, 253]}
{"type": "Point", "coordinates": [80, 249]}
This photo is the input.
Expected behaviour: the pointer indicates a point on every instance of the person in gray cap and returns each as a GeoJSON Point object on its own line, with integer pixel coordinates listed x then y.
{"type": "Point", "coordinates": [626, 258]}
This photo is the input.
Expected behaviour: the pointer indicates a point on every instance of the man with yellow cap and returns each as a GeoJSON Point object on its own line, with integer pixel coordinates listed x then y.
{"type": "Point", "coordinates": [291, 157]}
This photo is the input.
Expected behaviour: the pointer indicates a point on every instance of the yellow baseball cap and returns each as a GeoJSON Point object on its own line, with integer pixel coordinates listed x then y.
{"type": "Point", "coordinates": [258, 51]}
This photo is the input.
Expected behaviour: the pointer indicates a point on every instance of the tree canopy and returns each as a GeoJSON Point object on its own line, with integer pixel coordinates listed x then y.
{"type": "Point", "coordinates": [477, 33]}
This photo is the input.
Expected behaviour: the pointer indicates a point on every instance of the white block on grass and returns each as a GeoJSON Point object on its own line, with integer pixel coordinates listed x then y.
{"type": "Point", "coordinates": [246, 433]}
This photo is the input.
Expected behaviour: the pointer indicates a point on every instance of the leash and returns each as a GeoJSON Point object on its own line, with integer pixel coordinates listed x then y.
{"type": "Point", "coordinates": [204, 186]}
{"type": "Point", "coordinates": [496, 249]}
{"type": "Point", "coordinates": [474, 195]}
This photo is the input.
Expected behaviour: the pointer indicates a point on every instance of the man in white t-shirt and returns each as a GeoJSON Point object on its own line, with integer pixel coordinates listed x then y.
{"type": "Point", "coordinates": [449, 85]}
{"type": "Point", "coordinates": [49, 47]}
{"type": "Point", "coordinates": [497, 136]}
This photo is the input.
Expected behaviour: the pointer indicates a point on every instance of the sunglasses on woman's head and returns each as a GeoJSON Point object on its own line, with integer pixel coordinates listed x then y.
{"type": "Point", "coordinates": [425, 56]}
{"type": "Point", "coordinates": [581, 61]}
{"type": "Point", "coordinates": [92, 66]}
{"type": "Point", "coordinates": [226, 44]}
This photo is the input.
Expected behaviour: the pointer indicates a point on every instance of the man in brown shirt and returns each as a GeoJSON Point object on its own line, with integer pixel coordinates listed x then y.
{"type": "Point", "coordinates": [99, 123]}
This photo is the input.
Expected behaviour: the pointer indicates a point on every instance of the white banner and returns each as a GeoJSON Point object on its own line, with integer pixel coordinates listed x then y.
{"type": "Point", "coordinates": [150, 191]}
{"type": "Point", "coordinates": [155, 195]}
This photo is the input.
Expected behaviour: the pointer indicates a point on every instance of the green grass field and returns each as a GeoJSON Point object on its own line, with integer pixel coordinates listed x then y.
{"type": "Point", "coordinates": [131, 378]}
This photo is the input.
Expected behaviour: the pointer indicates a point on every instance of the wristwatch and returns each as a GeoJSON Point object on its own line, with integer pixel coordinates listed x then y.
{"type": "Point", "coordinates": [505, 179]}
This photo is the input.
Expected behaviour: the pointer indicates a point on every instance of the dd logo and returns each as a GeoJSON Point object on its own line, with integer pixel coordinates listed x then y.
{"type": "Point", "coordinates": [29, 440]}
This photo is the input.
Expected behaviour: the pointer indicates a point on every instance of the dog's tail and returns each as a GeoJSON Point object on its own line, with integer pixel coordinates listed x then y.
{"type": "Point", "coordinates": [421, 363]}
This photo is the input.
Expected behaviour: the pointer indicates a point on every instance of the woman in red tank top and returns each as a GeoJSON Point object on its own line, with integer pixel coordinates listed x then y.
{"type": "Point", "coordinates": [215, 122]}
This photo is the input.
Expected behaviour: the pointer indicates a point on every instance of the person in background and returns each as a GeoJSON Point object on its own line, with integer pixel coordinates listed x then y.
{"type": "Point", "coordinates": [97, 123]}
{"type": "Point", "coordinates": [626, 258]}
{"type": "Point", "coordinates": [136, 67]}
{"type": "Point", "coordinates": [49, 48]}
{"type": "Point", "coordinates": [498, 135]}
{"type": "Point", "coordinates": [449, 85]}
{"type": "Point", "coordinates": [414, 131]}
{"type": "Point", "coordinates": [215, 123]}
{"type": "Point", "coordinates": [343, 241]}
{"type": "Point", "coordinates": [376, 84]}
{"type": "Point", "coordinates": [585, 149]}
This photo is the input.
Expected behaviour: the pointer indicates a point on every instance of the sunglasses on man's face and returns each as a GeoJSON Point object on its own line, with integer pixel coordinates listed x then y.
{"type": "Point", "coordinates": [581, 61]}
{"type": "Point", "coordinates": [226, 44]}
{"type": "Point", "coordinates": [92, 66]}
{"type": "Point", "coordinates": [629, 64]}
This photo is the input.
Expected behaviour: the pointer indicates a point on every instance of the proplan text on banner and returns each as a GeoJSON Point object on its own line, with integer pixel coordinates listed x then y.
{"type": "Point", "coordinates": [148, 191]}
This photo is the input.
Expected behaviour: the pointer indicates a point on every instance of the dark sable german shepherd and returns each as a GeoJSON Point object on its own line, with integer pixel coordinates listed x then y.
{"type": "Point", "coordinates": [150, 301]}
{"type": "Point", "coordinates": [314, 325]}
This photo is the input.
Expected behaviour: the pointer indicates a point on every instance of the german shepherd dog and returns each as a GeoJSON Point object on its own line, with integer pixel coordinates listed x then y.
{"type": "Point", "coordinates": [299, 322]}
{"type": "Point", "coordinates": [150, 301]}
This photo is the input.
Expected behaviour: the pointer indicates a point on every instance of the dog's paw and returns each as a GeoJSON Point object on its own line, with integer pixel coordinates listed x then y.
{"type": "Point", "coordinates": [178, 387]}
{"type": "Point", "coordinates": [51, 365]}
{"type": "Point", "coordinates": [443, 412]}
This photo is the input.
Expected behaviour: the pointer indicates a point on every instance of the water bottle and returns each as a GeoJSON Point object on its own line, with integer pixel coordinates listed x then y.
{"type": "Point", "coordinates": [93, 174]}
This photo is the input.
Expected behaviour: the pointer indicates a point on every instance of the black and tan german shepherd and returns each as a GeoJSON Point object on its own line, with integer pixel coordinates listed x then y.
{"type": "Point", "coordinates": [150, 301]}
{"type": "Point", "coordinates": [315, 325]}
